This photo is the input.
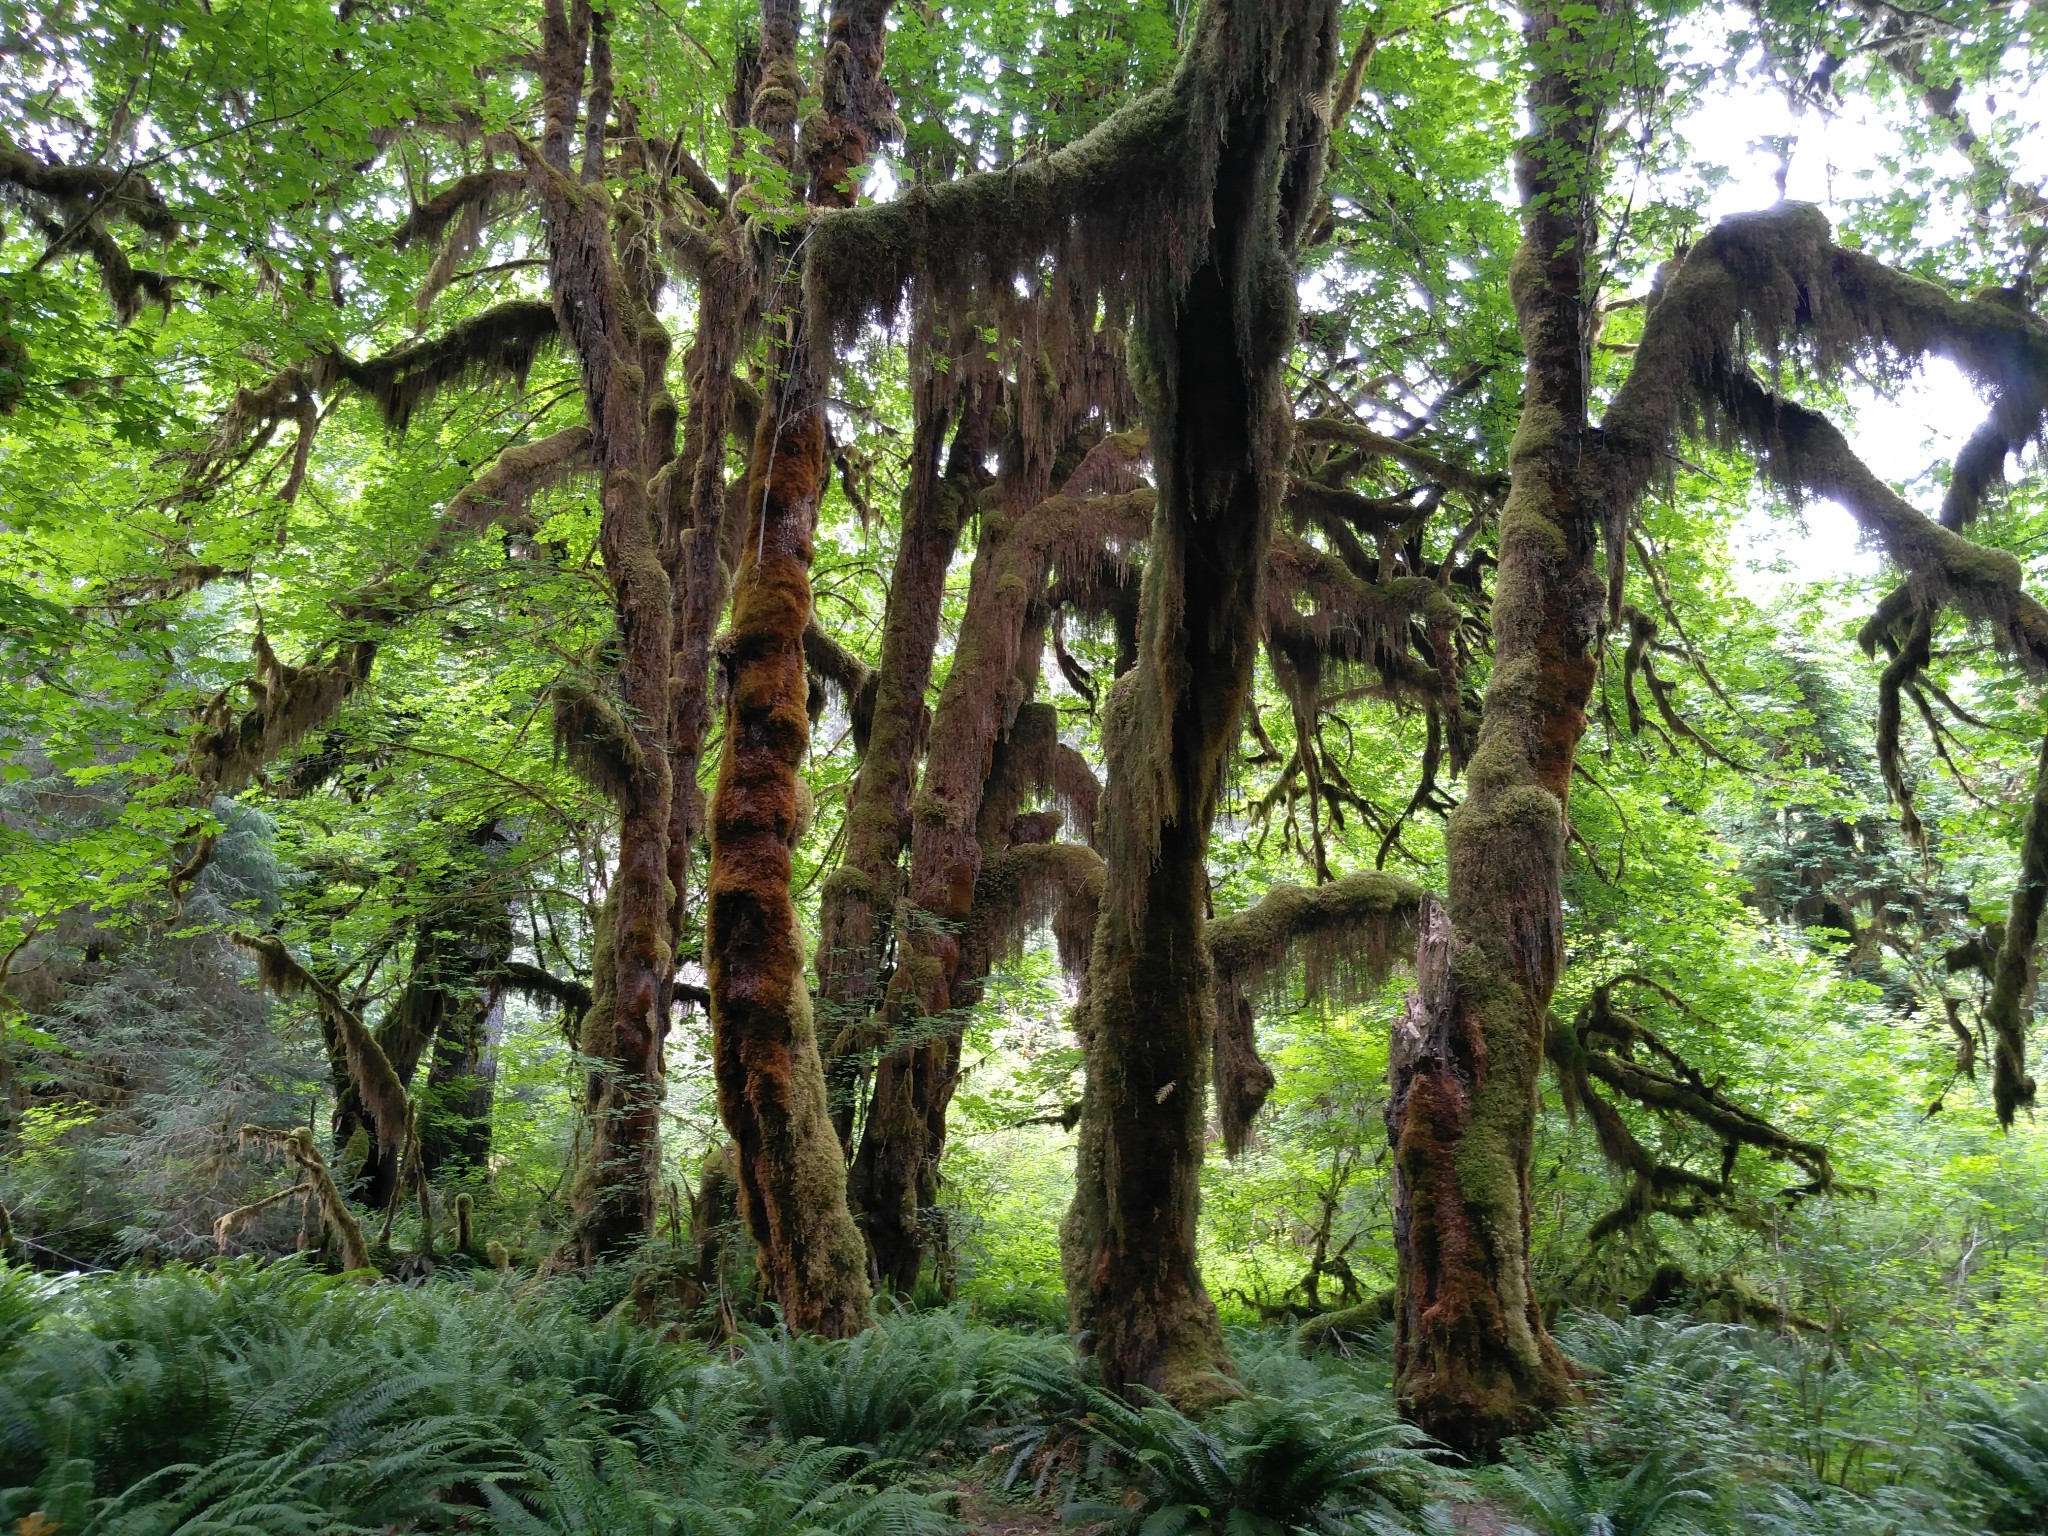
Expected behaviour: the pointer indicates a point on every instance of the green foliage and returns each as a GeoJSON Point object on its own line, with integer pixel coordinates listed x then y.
{"type": "Point", "coordinates": [1262, 1466]}
{"type": "Point", "coordinates": [254, 1398]}
{"type": "Point", "coordinates": [1565, 1495]}
{"type": "Point", "coordinates": [2002, 1448]}
{"type": "Point", "coordinates": [906, 1389]}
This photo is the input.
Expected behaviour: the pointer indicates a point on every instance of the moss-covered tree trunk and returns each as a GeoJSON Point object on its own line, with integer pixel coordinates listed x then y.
{"type": "Point", "coordinates": [1473, 1361]}
{"type": "Point", "coordinates": [859, 899]}
{"type": "Point", "coordinates": [888, 1170]}
{"type": "Point", "coordinates": [1219, 417]}
{"type": "Point", "coordinates": [771, 1083]}
{"type": "Point", "coordinates": [995, 665]}
{"type": "Point", "coordinates": [604, 305]}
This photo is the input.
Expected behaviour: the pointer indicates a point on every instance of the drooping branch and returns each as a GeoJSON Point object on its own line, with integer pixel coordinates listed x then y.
{"type": "Point", "coordinates": [229, 748]}
{"type": "Point", "coordinates": [296, 1146]}
{"type": "Point", "coordinates": [1340, 939]}
{"type": "Point", "coordinates": [72, 206]}
{"type": "Point", "coordinates": [499, 343]}
{"type": "Point", "coordinates": [370, 1071]}
{"type": "Point", "coordinates": [1601, 1044]}
{"type": "Point", "coordinates": [1803, 450]}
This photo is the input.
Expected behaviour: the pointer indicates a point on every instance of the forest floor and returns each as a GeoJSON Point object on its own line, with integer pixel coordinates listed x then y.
{"type": "Point", "coordinates": [987, 1514]}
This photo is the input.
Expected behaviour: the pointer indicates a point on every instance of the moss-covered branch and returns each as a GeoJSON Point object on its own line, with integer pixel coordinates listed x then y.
{"type": "Point", "coordinates": [296, 1146]}
{"type": "Point", "coordinates": [1340, 939]}
{"type": "Point", "coordinates": [375, 1080]}
{"type": "Point", "coordinates": [1601, 1045]}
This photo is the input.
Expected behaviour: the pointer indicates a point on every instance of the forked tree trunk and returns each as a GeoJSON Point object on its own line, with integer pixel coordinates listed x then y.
{"type": "Point", "coordinates": [894, 1179]}
{"type": "Point", "coordinates": [859, 899]}
{"type": "Point", "coordinates": [1473, 1362]}
{"type": "Point", "coordinates": [604, 305]}
{"type": "Point", "coordinates": [1219, 418]}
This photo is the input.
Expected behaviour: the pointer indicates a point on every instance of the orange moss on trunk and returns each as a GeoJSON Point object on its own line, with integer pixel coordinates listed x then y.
{"type": "Point", "coordinates": [771, 1084]}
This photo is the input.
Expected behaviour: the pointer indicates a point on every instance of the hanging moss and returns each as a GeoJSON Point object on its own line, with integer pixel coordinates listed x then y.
{"type": "Point", "coordinates": [592, 732]}
{"type": "Point", "coordinates": [370, 1070]}
{"type": "Point", "coordinates": [500, 343]}
{"type": "Point", "coordinates": [1340, 939]}
{"type": "Point", "coordinates": [296, 1146]}
{"type": "Point", "coordinates": [504, 491]}
{"type": "Point", "coordinates": [229, 747]}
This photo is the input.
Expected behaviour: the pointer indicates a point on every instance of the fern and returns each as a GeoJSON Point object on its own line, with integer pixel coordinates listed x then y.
{"type": "Point", "coordinates": [1261, 1467]}
{"type": "Point", "coordinates": [2003, 1452]}
{"type": "Point", "coordinates": [1566, 1494]}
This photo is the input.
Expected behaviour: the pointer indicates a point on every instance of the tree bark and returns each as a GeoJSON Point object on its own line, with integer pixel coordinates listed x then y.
{"type": "Point", "coordinates": [1473, 1362]}
{"type": "Point", "coordinates": [859, 898]}
{"type": "Point", "coordinates": [771, 1083]}
{"type": "Point", "coordinates": [1219, 417]}
{"type": "Point", "coordinates": [604, 305]}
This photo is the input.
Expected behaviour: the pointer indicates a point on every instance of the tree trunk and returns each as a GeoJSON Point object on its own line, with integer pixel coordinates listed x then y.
{"type": "Point", "coordinates": [771, 1083]}
{"type": "Point", "coordinates": [455, 1118]}
{"type": "Point", "coordinates": [604, 305]}
{"type": "Point", "coordinates": [1473, 1362]}
{"type": "Point", "coordinates": [1219, 416]}
{"type": "Point", "coordinates": [859, 898]}
{"type": "Point", "coordinates": [995, 667]}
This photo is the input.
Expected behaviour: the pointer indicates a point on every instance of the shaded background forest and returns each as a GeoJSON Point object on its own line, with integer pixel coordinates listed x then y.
{"type": "Point", "coordinates": [323, 638]}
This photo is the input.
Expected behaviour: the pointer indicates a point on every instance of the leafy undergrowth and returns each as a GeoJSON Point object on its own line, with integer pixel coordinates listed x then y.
{"type": "Point", "coordinates": [271, 1399]}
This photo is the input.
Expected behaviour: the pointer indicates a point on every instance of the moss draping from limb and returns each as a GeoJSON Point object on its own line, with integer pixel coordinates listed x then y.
{"type": "Point", "coordinates": [500, 343]}
{"type": "Point", "coordinates": [456, 217]}
{"type": "Point", "coordinates": [370, 1070]}
{"type": "Point", "coordinates": [503, 493]}
{"type": "Point", "coordinates": [835, 667]}
{"type": "Point", "coordinates": [1129, 207]}
{"type": "Point", "coordinates": [1340, 938]}
{"type": "Point", "coordinates": [1214, 337]}
{"type": "Point", "coordinates": [1804, 451]}
{"type": "Point", "coordinates": [103, 190]}
{"type": "Point", "coordinates": [228, 748]}
{"type": "Point", "coordinates": [296, 1146]}
{"type": "Point", "coordinates": [1240, 1075]}
{"type": "Point", "coordinates": [72, 205]}
{"type": "Point", "coordinates": [229, 1223]}
{"type": "Point", "coordinates": [594, 735]}
{"type": "Point", "coordinates": [537, 983]}
{"type": "Point", "coordinates": [1601, 1044]}
{"type": "Point", "coordinates": [1033, 886]}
